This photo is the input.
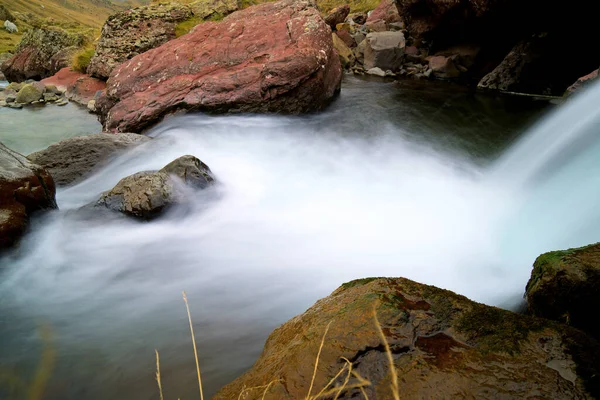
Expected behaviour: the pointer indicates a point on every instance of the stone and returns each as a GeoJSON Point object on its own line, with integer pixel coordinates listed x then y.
{"type": "Point", "coordinates": [50, 97]}
{"type": "Point", "coordinates": [359, 37]}
{"type": "Point", "coordinates": [582, 82]}
{"type": "Point", "coordinates": [146, 195]}
{"type": "Point", "coordinates": [384, 50]}
{"type": "Point", "coordinates": [386, 11]}
{"type": "Point", "coordinates": [463, 55]}
{"type": "Point", "coordinates": [376, 71]}
{"type": "Point", "coordinates": [207, 9]}
{"type": "Point", "coordinates": [337, 16]}
{"type": "Point", "coordinates": [376, 26]}
{"type": "Point", "coordinates": [508, 74]}
{"type": "Point", "coordinates": [346, 37]}
{"type": "Point", "coordinates": [72, 160]}
{"type": "Point", "coordinates": [3, 103]}
{"type": "Point", "coordinates": [358, 18]}
{"type": "Point", "coordinates": [84, 89]}
{"type": "Point", "coordinates": [24, 189]}
{"type": "Point", "coordinates": [443, 67]}
{"type": "Point", "coordinates": [359, 52]}
{"type": "Point", "coordinates": [33, 55]}
{"type": "Point", "coordinates": [345, 53]}
{"type": "Point", "coordinates": [135, 31]}
{"type": "Point", "coordinates": [28, 94]}
{"type": "Point", "coordinates": [564, 287]}
{"type": "Point", "coordinates": [279, 58]}
{"type": "Point", "coordinates": [443, 346]}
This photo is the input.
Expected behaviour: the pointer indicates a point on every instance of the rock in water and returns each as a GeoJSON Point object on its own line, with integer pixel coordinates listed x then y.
{"type": "Point", "coordinates": [33, 57]}
{"type": "Point", "coordinates": [24, 188]}
{"type": "Point", "coordinates": [384, 50]}
{"type": "Point", "coordinates": [443, 67]}
{"type": "Point", "coordinates": [146, 194]}
{"type": "Point", "coordinates": [132, 32]}
{"type": "Point", "coordinates": [29, 93]}
{"type": "Point", "coordinates": [274, 57]}
{"type": "Point", "coordinates": [443, 346]}
{"type": "Point", "coordinates": [73, 159]}
{"type": "Point", "coordinates": [565, 287]}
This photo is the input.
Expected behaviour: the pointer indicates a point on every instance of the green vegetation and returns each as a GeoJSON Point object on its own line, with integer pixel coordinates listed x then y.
{"type": "Point", "coordinates": [82, 59]}
{"type": "Point", "coordinates": [548, 262]}
{"type": "Point", "coordinates": [186, 26]}
{"type": "Point", "coordinates": [357, 282]}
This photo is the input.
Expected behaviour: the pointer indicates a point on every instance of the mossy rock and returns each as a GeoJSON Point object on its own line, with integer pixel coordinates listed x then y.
{"type": "Point", "coordinates": [442, 345]}
{"type": "Point", "coordinates": [29, 93]}
{"type": "Point", "coordinates": [564, 286]}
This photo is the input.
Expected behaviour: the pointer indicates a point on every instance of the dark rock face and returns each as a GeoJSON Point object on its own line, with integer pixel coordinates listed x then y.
{"type": "Point", "coordinates": [34, 56]}
{"type": "Point", "coordinates": [538, 30]}
{"type": "Point", "coordinates": [24, 188]}
{"type": "Point", "coordinates": [443, 346]}
{"type": "Point", "coordinates": [71, 160]}
{"type": "Point", "coordinates": [274, 57]}
{"type": "Point", "coordinates": [132, 32]}
{"type": "Point", "coordinates": [564, 286]}
{"type": "Point", "coordinates": [147, 194]}
{"type": "Point", "coordinates": [337, 16]}
{"type": "Point", "coordinates": [583, 82]}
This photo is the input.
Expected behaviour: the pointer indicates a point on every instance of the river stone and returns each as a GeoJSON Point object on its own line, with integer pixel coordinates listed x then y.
{"type": "Point", "coordinates": [24, 188]}
{"type": "Point", "coordinates": [384, 50]}
{"type": "Point", "coordinates": [443, 345]}
{"type": "Point", "coordinates": [74, 159]}
{"type": "Point", "coordinates": [146, 194]}
{"type": "Point", "coordinates": [443, 67]}
{"type": "Point", "coordinates": [29, 93]}
{"type": "Point", "coordinates": [345, 53]}
{"type": "Point", "coordinates": [565, 287]}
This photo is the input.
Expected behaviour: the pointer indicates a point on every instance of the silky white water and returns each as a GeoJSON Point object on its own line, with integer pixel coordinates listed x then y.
{"type": "Point", "coordinates": [378, 185]}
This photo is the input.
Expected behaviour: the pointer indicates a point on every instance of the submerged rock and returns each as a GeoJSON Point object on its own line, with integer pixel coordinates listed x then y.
{"type": "Point", "coordinates": [443, 346]}
{"type": "Point", "coordinates": [24, 188]}
{"type": "Point", "coordinates": [273, 57]}
{"type": "Point", "coordinates": [33, 56]}
{"type": "Point", "coordinates": [565, 287]}
{"type": "Point", "coordinates": [71, 160]}
{"type": "Point", "coordinates": [146, 194]}
{"type": "Point", "coordinates": [132, 32]}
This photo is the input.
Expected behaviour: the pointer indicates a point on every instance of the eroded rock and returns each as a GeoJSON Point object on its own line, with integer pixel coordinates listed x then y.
{"type": "Point", "coordinates": [564, 286]}
{"type": "Point", "coordinates": [443, 346]}
{"type": "Point", "coordinates": [71, 160]}
{"type": "Point", "coordinates": [147, 194]}
{"type": "Point", "coordinates": [24, 189]}
{"type": "Point", "coordinates": [384, 50]}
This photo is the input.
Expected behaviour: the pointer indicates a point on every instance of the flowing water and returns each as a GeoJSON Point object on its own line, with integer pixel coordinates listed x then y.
{"type": "Point", "coordinates": [391, 180]}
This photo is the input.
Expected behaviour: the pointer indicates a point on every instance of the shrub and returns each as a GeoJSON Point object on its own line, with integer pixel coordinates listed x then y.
{"type": "Point", "coordinates": [82, 59]}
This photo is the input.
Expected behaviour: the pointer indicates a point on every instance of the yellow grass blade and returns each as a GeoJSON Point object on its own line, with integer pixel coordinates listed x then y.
{"type": "Point", "coordinates": [160, 391]}
{"type": "Point", "coordinates": [312, 382]}
{"type": "Point", "coordinates": [187, 306]}
{"type": "Point", "coordinates": [388, 352]}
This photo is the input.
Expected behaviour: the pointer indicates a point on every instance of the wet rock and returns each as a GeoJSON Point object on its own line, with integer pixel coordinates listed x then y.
{"type": "Point", "coordinates": [384, 50]}
{"type": "Point", "coordinates": [442, 345]}
{"type": "Point", "coordinates": [337, 16]}
{"type": "Point", "coordinates": [279, 58]}
{"type": "Point", "coordinates": [583, 82]}
{"type": "Point", "coordinates": [24, 189]}
{"type": "Point", "coordinates": [564, 287]}
{"type": "Point", "coordinates": [376, 71]}
{"type": "Point", "coordinates": [147, 194]}
{"type": "Point", "coordinates": [84, 89]}
{"type": "Point", "coordinates": [443, 67]}
{"type": "Point", "coordinates": [29, 93]}
{"type": "Point", "coordinates": [32, 59]}
{"type": "Point", "coordinates": [73, 159]}
{"type": "Point", "coordinates": [132, 32]}
{"type": "Point", "coordinates": [345, 53]}
{"type": "Point", "coordinates": [386, 11]}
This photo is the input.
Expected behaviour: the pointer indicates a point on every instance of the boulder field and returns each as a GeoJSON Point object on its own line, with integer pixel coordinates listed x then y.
{"type": "Point", "coordinates": [274, 57]}
{"type": "Point", "coordinates": [442, 345]}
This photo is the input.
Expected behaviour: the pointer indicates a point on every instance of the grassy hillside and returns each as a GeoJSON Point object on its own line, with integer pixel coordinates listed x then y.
{"type": "Point", "coordinates": [68, 14]}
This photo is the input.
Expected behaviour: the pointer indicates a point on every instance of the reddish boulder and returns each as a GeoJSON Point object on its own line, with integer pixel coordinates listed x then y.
{"type": "Point", "coordinates": [386, 11]}
{"type": "Point", "coordinates": [24, 188]}
{"type": "Point", "coordinates": [79, 87]}
{"type": "Point", "coordinates": [583, 82]}
{"type": "Point", "coordinates": [63, 79]}
{"type": "Point", "coordinates": [346, 38]}
{"type": "Point", "coordinates": [337, 16]}
{"type": "Point", "coordinates": [274, 57]}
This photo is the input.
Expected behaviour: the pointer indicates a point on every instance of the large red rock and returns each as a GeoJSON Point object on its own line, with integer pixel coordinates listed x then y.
{"type": "Point", "coordinates": [79, 87]}
{"type": "Point", "coordinates": [274, 57]}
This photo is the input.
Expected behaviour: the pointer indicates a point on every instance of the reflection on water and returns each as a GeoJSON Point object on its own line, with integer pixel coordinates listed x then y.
{"type": "Point", "coordinates": [387, 181]}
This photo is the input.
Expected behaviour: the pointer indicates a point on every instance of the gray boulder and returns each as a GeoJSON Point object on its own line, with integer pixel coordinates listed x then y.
{"type": "Point", "coordinates": [24, 188]}
{"type": "Point", "coordinates": [147, 194]}
{"type": "Point", "coordinates": [73, 159]}
{"type": "Point", "coordinates": [384, 50]}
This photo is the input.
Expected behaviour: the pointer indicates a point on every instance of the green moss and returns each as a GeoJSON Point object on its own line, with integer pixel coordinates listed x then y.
{"type": "Point", "coordinates": [186, 26]}
{"type": "Point", "coordinates": [216, 17]}
{"type": "Point", "coordinates": [325, 6]}
{"type": "Point", "coordinates": [548, 263]}
{"type": "Point", "coordinates": [82, 59]}
{"type": "Point", "coordinates": [496, 330]}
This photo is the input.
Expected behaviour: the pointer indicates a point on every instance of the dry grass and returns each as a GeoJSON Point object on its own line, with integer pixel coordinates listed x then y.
{"type": "Point", "coordinates": [187, 306]}
{"type": "Point", "coordinates": [81, 59]}
{"type": "Point", "coordinates": [160, 391]}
